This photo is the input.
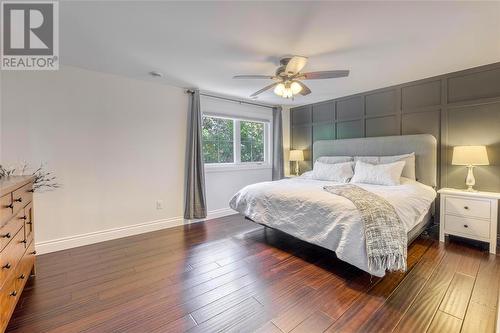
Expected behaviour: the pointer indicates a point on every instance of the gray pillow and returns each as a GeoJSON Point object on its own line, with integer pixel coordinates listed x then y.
{"type": "Point", "coordinates": [408, 170]}
{"type": "Point", "coordinates": [335, 159]}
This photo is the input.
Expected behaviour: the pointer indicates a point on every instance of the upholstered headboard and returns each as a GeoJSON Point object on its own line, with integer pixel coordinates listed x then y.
{"type": "Point", "coordinates": [424, 146]}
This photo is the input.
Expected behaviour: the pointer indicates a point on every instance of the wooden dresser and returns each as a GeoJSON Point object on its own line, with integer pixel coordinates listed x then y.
{"type": "Point", "coordinates": [17, 246]}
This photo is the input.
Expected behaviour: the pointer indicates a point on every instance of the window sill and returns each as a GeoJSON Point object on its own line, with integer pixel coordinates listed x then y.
{"type": "Point", "coordinates": [235, 167]}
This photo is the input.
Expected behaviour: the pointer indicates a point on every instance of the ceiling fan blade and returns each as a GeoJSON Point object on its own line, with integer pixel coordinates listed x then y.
{"type": "Point", "coordinates": [267, 77]}
{"type": "Point", "coordinates": [295, 64]}
{"type": "Point", "coordinates": [305, 89]}
{"type": "Point", "coordinates": [324, 75]}
{"type": "Point", "coordinates": [264, 89]}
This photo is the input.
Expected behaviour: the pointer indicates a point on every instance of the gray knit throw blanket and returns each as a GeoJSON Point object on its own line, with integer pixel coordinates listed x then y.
{"type": "Point", "coordinates": [386, 239]}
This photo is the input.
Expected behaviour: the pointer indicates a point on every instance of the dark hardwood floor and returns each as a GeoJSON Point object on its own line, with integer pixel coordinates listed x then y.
{"type": "Point", "coordinates": [232, 275]}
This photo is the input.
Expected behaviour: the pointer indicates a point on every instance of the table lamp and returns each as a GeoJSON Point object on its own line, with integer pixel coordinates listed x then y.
{"type": "Point", "coordinates": [470, 156]}
{"type": "Point", "coordinates": [296, 156]}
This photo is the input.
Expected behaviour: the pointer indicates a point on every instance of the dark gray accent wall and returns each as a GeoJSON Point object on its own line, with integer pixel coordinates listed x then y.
{"type": "Point", "coordinates": [460, 108]}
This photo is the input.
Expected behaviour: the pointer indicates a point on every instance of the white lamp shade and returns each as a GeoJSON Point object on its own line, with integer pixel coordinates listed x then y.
{"type": "Point", "coordinates": [470, 155]}
{"type": "Point", "coordinates": [296, 155]}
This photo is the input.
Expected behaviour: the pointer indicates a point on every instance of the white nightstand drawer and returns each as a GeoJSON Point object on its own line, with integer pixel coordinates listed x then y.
{"type": "Point", "coordinates": [470, 215]}
{"type": "Point", "coordinates": [467, 226]}
{"type": "Point", "coordinates": [468, 207]}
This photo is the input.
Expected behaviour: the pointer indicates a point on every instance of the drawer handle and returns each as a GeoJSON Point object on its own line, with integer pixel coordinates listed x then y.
{"type": "Point", "coordinates": [6, 266]}
{"type": "Point", "coordinates": [23, 217]}
{"type": "Point", "coordinates": [23, 241]}
{"type": "Point", "coordinates": [466, 207]}
{"type": "Point", "coordinates": [22, 276]}
{"type": "Point", "coordinates": [7, 235]}
{"type": "Point", "coordinates": [30, 223]}
{"type": "Point", "coordinates": [34, 252]}
{"type": "Point", "coordinates": [20, 199]}
{"type": "Point", "coordinates": [11, 206]}
{"type": "Point", "coordinates": [466, 226]}
{"type": "Point", "coordinates": [13, 293]}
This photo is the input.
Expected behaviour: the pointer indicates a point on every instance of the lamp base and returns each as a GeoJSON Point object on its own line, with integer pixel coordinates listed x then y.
{"type": "Point", "coordinates": [470, 189]}
{"type": "Point", "coordinates": [470, 181]}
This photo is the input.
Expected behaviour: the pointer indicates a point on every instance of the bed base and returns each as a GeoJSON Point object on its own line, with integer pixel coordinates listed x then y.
{"type": "Point", "coordinates": [413, 234]}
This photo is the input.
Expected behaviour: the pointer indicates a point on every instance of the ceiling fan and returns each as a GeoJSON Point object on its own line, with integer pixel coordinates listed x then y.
{"type": "Point", "coordinates": [288, 78]}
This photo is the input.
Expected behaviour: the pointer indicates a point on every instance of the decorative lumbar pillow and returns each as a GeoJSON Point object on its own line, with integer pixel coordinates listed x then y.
{"type": "Point", "coordinates": [378, 174]}
{"type": "Point", "coordinates": [335, 159]}
{"type": "Point", "coordinates": [337, 172]}
{"type": "Point", "coordinates": [408, 170]}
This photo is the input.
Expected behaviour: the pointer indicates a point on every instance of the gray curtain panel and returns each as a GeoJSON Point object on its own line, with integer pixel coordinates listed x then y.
{"type": "Point", "coordinates": [195, 201]}
{"type": "Point", "coordinates": [278, 168]}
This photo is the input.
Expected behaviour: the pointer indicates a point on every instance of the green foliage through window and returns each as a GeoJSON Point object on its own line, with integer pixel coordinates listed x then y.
{"type": "Point", "coordinates": [252, 141]}
{"type": "Point", "coordinates": [218, 140]}
{"type": "Point", "coordinates": [218, 136]}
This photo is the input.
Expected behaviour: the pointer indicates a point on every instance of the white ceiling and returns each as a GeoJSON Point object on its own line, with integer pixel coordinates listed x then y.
{"type": "Point", "coordinates": [203, 44]}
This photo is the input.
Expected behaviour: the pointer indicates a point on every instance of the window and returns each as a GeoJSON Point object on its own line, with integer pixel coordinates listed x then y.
{"type": "Point", "coordinates": [234, 141]}
{"type": "Point", "coordinates": [252, 141]}
{"type": "Point", "coordinates": [218, 140]}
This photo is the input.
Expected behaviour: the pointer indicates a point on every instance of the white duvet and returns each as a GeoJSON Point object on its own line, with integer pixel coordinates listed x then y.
{"type": "Point", "coordinates": [301, 208]}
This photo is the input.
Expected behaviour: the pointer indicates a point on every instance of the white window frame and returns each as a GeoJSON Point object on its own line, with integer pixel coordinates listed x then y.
{"type": "Point", "coordinates": [237, 164]}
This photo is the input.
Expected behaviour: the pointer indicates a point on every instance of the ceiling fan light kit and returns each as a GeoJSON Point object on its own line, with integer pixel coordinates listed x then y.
{"type": "Point", "coordinates": [287, 89]}
{"type": "Point", "coordinates": [289, 78]}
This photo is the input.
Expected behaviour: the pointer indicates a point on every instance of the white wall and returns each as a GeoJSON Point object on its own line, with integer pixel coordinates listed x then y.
{"type": "Point", "coordinates": [116, 145]}
{"type": "Point", "coordinates": [223, 183]}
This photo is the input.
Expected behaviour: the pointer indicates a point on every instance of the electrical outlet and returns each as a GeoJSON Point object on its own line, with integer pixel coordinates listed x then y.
{"type": "Point", "coordinates": [159, 204]}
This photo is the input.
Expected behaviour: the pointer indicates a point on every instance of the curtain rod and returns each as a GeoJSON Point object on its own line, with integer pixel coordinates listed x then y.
{"type": "Point", "coordinates": [190, 91]}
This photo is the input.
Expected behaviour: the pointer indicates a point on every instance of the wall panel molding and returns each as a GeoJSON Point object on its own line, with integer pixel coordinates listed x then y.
{"type": "Point", "coordinates": [473, 86]}
{"type": "Point", "coordinates": [421, 106]}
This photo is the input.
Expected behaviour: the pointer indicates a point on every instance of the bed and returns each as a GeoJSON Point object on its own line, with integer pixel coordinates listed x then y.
{"type": "Point", "coordinates": [302, 208]}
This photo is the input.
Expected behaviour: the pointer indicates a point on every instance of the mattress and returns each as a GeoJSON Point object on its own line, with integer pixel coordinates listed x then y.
{"type": "Point", "coordinates": [301, 208]}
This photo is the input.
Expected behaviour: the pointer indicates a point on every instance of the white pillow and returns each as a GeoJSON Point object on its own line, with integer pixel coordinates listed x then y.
{"type": "Point", "coordinates": [335, 159]}
{"type": "Point", "coordinates": [338, 172]}
{"type": "Point", "coordinates": [378, 174]}
{"type": "Point", "coordinates": [408, 170]}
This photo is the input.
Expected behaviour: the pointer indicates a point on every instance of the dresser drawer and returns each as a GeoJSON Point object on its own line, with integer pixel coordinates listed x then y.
{"type": "Point", "coordinates": [9, 295]}
{"type": "Point", "coordinates": [467, 226]}
{"type": "Point", "coordinates": [11, 255]}
{"type": "Point", "coordinates": [5, 208]}
{"type": "Point", "coordinates": [24, 269]}
{"type": "Point", "coordinates": [28, 260]}
{"type": "Point", "coordinates": [9, 230]}
{"type": "Point", "coordinates": [468, 207]}
{"type": "Point", "coordinates": [30, 255]}
{"type": "Point", "coordinates": [29, 226]}
{"type": "Point", "coordinates": [22, 196]}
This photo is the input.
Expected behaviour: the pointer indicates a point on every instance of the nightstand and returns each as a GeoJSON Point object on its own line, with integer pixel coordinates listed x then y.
{"type": "Point", "coordinates": [469, 214]}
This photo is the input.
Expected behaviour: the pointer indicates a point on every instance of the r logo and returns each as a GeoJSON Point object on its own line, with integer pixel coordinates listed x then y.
{"type": "Point", "coordinates": [30, 35]}
{"type": "Point", "coordinates": [28, 29]}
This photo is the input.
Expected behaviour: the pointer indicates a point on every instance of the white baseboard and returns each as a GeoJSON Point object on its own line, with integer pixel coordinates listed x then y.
{"type": "Point", "coordinates": [216, 213]}
{"type": "Point", "coordinates": [109, 234]}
